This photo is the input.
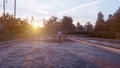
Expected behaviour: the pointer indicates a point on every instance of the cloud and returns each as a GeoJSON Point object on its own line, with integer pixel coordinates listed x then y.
{"type": "Point", "coordinates": [81, 6]}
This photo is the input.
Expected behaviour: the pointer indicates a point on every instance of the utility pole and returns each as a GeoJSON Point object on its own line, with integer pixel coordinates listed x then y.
{"type": "Point", "coordinates": [3, 6]}
{"type": "Point", "coordinates": [14, 9]}
{"type": "Point", "coordinates": [3, 10]}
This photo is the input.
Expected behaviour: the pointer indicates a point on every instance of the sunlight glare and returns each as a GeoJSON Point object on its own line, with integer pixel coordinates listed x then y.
{"type": "Point", "coordinates": [37, 24]}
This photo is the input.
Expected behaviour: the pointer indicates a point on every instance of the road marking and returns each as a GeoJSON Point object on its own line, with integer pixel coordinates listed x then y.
{"type": "Point", "coordinates": [6, 42]}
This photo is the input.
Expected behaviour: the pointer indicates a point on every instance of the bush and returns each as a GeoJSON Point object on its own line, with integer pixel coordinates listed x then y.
{"type": "Point", "coordinates": [103, 34]}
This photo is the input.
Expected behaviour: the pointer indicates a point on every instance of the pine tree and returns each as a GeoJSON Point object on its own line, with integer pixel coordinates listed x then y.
{"type": "Point", "coordinates": [100, 23]}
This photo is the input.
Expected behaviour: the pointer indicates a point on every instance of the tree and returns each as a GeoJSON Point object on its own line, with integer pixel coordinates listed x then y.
{"type": "Point", "coordinates": [88, 27]}
{"type": "Point", "coordinates": [67, 24]}
{"type": "Point", "coordinates": [117, 21]}
{"type": "Point", "coordinates": [78, 24]}
{"type": "Point", "coordinates": [100, 23]}
{"type": "Point", "coordinates": [80, 28]}
{"type": "Point", "coordinates": [51, 24]}
{"type": "Point", "coordinates": [113, 22]}
{"type": "Point", "coordinates": [109, 23]}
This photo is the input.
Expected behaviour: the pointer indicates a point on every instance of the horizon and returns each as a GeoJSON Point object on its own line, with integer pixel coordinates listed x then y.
{"type": "Point", "coordinates": [80, 11]}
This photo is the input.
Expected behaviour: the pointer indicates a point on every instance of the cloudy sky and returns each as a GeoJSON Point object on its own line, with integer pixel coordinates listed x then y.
{"type": "Point", "coordinates": [80, 10]}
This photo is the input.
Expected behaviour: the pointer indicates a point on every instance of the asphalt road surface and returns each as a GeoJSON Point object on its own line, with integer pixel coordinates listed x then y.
{"type": "Point", "coordinates": [37, 53]}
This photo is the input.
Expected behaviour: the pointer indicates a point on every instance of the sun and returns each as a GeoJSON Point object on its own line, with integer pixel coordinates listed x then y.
{"type": "Point", "coordinates": [37, 24]}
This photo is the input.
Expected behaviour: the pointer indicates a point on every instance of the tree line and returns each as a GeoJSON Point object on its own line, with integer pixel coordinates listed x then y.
{"type": "Point", "coordinates": [13, 25]}
{"type": "Point", "coordinates": [109, 28]}
{"type": "Point", "coordinates": [103, 28]}
{"type": "Point", "coordinates": [66, 26]}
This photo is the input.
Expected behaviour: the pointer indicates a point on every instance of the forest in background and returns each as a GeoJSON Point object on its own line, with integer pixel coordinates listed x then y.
{"type": "Point", "coordinates": [109, 28]}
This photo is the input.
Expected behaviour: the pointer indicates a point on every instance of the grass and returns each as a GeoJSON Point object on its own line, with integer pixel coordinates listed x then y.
{"type": "Point", "coordinates": [13, 36]}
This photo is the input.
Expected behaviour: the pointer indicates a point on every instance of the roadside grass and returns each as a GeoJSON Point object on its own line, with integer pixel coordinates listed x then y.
{"type": "Point", "coordinates": [14, 36]}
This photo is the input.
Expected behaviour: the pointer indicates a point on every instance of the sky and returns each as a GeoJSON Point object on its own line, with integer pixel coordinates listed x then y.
{"type": "Point", "coordinates": [80, 10]}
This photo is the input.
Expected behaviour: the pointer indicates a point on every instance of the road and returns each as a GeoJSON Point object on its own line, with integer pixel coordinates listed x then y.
{"type": "Point", "coordinates": [37, 53]}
